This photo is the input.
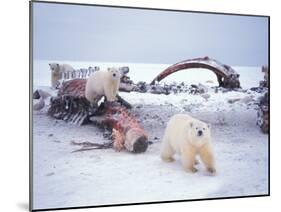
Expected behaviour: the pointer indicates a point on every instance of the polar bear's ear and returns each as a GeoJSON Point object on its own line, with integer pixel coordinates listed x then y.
{"type": "Point", "coordinates": [191, 124]}
{"type": "Point", "coordinates": [58, 65]}
{"type": "Point", "coordinates": [108, 69]}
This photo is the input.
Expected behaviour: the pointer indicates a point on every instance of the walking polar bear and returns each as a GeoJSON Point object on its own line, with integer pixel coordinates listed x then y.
{"type": "Point", "coordinates": [188, 137]}
{"type": "Point", "coordinates": [103, 83]}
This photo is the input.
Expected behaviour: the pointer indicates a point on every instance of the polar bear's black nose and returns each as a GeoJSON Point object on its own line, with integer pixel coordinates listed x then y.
{"type": "Point", "coordinates": [114, 75]}
{"type": "Point", "coordinates": [199, 132]}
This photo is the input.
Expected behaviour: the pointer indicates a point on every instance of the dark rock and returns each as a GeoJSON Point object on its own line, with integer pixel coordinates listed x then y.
{"type": "Point", "coordinates": [50, 174]}
{"type": "Point", "coordinates": [194, 86]}
{"type": "Point", "coordinates": [124, 70]}
{"type": "Point", "coordinates": [231, 101]}
{"type": "Point", "coordinates": [258, 89]}
{"type": "Point", "coordinates": [36, 95]}
{"type": "Point", "coordinates": [107, 134]}
{"type": "Point", "coordinates": [141, 87]}
{"type": "Point", "coordinates": [156, 89]}
{"type": "Point", "coordinates": [198, 89]}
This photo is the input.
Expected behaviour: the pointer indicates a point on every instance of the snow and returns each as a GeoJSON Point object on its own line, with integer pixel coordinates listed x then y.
{"type": "Point", "coordinates": [98, 177]}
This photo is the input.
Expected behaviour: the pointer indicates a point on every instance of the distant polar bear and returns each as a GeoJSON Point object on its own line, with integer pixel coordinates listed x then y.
{"type": "Point", "coordinates": [188, 137]}
{"type": "Point", "coordinates": [58, 71]}
{"type": "Point", "coordinates": [103, 83]}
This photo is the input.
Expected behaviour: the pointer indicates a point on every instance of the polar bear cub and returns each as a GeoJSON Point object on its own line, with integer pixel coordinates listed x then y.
{"type": "Point", "coordinates": [103, 83]}
{"type": "Point", "coordinates": [188, 137]}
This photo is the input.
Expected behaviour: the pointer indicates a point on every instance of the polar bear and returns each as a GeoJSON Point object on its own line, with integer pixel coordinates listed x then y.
{"type": "Point", "coordinates": [58, 72]}
{"type": "Point", "coordinates": [188, 137]}
{"type": "Point", "coordinates": [103, 83]}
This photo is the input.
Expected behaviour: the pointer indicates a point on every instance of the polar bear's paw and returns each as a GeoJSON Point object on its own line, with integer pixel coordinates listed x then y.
{"type": "Point", "coordinates": [191, 170]}
{"type": "Point", "coordinates": [168, 159]}
{"type": "Point", "coordinates": [211, 170]}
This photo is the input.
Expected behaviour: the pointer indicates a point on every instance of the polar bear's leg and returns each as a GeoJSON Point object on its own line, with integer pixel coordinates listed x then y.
{"type": "Point", "coordinates": [115, 91]}
{"type": "Point", "coordinates": [89, 96]}
{"type": "Point", "coordinates": [167, 151]}
{"type": "Point", "coordinates": [207, 156]}
{"type": "Point", "coordinates": [92, 97]}
{"type": "Point", "coordinates": [53, 83]}
{"type": "Point", "coordinates": [188, 158]}
{"type": "Point", "coordinates": [109, 94]}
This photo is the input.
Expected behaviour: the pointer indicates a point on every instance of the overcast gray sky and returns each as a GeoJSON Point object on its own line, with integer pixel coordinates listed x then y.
{"type": "Point", "coordinates": [89, 33]}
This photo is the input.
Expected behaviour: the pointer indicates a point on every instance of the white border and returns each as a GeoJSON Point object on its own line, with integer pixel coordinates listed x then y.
{"type": "Point", "coordinates": [14, 103]}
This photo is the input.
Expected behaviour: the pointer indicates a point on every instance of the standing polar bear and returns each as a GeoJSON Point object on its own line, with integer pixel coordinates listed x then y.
{"type": "Point", "coordinates": [103, 83]}
{"type": "Point", "coordinates": [58, 71]}
{"type": "Point", "coordinates": [188, 137]}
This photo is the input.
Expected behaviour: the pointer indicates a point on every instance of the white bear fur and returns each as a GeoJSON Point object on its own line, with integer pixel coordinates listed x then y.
{"type": "Point", "coordinates": [103, 83]}
{"type": "Point", "coordinates": [58, 70]}
{"type": "Point", "coordinates": [181, 136]}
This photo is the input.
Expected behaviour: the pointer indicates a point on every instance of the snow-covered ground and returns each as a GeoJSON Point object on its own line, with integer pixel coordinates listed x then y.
{"type": "Point", "coordinates": [97, 177]}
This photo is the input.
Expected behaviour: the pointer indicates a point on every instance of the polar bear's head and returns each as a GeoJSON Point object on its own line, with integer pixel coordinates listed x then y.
{"type": "Point", "coordinates": [199, 131]}
{"type": "Point", "coordinates": [114, 73]}
{"type": "Point", "coordinates": [54, 67]}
